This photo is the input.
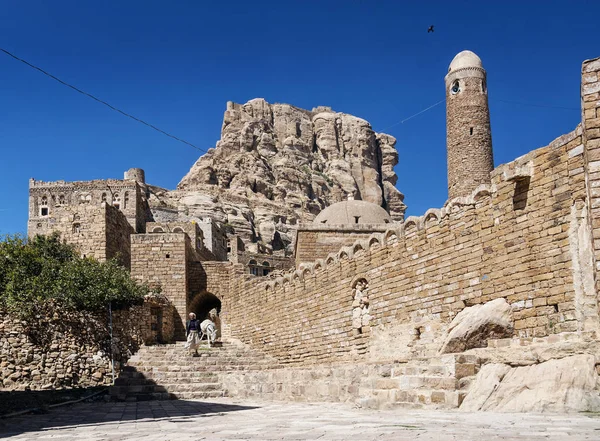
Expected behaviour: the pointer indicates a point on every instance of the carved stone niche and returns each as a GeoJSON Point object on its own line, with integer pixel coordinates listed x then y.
{"type": "Point", "coordinates": [360, 305]}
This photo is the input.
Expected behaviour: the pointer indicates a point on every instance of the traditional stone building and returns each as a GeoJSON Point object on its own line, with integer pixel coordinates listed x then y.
{"type": "Point", "coordinates": [418, 312]}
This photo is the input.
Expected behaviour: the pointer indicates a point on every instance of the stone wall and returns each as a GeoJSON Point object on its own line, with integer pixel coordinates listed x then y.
{"type": "Point", "coordinates": [62, 199]}
{"type": "Point", "coordinates": [162, 259]}
{"type": "Point", "coordinates": [98, 231]}
{"type": "Point", "coordinates": [117, 231]}
{"type": "Point", "coordinates": [590, 97]}
{"type": "Point", "coordinates": [469, 135]}
{"type": "Point", "coordinates": [522, 238]}
{"type": "Point", "coordinates": [317, 241]}
{"type": "Point", "coordinates": [73, 349]}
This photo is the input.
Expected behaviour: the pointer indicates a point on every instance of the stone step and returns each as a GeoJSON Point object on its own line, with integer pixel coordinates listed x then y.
{"type": "Point", "coordinates": [415, 382]}
{"type": "Point", "coordinates": [197, 395]}
{"type": "Point", "coordinates": [433, 370]}
{"type": "Point", "coordinates": [165, 379]}
{"type": "Point", "coordinates": [134, 373]}
{"type": "Point", "coordinates": [188, 387]}
{"type": "Point", "coordinates": [419, 398]}
{"type": "Point", "coordinates": [143, 397]}
{"type": "Point", "coordinates": [198, 360]}
{"type": "Point", "coordinates": [204, 357]}
{"type": "Point", "coordinates": [205, 377]}
{"type": "Point", "coordinates": [144, 367]}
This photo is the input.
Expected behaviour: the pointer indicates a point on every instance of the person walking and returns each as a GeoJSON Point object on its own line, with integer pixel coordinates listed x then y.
{"type": "Point", "coordinates": [192, 327]}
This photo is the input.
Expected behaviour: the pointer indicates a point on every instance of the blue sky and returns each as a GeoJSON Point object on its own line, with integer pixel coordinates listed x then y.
{"type": "Point", "coordinates": [176, 64]}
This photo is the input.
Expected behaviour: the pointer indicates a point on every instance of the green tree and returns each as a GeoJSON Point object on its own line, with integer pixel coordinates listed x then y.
{"type": "Point", "coordinates": [44, 270]}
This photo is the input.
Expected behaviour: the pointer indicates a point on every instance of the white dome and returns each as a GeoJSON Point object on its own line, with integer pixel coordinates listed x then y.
{"type": "Point", "coordinates": [465, 59]}
{"type": "Point", "coordinates": [353, 212]}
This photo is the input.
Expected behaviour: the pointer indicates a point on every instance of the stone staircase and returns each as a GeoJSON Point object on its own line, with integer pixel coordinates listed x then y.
{"type": "Point", "coordinates": [433, 382]}
{"type": "Point", "coordinates": [164, 372]}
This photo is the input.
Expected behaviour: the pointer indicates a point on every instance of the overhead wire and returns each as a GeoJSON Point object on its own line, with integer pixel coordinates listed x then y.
{"type": "Point", "coordinates": [502, 101]}
{"type": "Point", "coordinates": [89, 95]}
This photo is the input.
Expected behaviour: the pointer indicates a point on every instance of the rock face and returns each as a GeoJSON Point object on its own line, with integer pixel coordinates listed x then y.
{"type": "Point", "coordinates": [564, 385]}
{"type": "Point", "coordinates": [474, 325]}
{"type": "Point", "coordinates": [277, 165]}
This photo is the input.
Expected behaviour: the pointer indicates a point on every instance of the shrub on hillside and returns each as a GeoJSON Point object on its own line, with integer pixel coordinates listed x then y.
{"type": "Point", "coordinates": [43, 270]}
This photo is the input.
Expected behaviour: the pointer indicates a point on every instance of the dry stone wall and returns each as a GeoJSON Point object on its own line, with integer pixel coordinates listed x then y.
{"type": "Point", "coordinates": [74, 349]}
{"type": "Point", "coordinates": [515, 239]}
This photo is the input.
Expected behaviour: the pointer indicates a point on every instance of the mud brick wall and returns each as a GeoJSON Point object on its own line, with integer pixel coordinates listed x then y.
{"type": "Point", "coordinates": [522, 238]}
{"type": "Point", "coordinates": [162, 260]}
{"type": "Point", "coordinates": [316, 242]}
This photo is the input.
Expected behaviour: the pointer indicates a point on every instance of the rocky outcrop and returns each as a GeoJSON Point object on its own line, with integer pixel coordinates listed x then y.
{"type": "Point", "coordinates": [277, 165]}
{"type": "Point", "coordinates": [473, 326]}
{"type": "Point", "coordinates": [561, 385]}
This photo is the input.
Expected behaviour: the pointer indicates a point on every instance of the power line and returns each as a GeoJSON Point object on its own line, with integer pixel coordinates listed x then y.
{"type": "Point", "coordinates": [64, 83]}
{"type": "Point", "coordinates": [502, 101]}
{"type": "Point", "coordinates": [416, 114]}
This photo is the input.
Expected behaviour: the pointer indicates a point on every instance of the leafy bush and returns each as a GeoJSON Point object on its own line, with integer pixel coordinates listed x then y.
{"type": "Point", "coordinates": [42, 270]}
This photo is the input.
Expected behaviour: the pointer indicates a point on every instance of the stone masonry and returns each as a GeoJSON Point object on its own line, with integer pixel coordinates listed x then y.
{"type": "Point", "coordinates": [469, 136]}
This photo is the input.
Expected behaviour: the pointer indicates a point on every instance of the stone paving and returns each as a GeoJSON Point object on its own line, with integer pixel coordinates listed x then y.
{"type": "Point", "coordinates": [227, 419]}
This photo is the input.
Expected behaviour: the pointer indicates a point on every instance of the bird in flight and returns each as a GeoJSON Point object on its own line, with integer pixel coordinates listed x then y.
{"type": "Point", "coordinates": [430, 29]}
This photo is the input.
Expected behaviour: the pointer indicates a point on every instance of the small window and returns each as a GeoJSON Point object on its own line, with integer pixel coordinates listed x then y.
{"type": "Point", "coordinates": [44, 211]}
{"type": "Point", "coordinates": [168, 256]}
{"type": "Point", "coordinates": [126, 200]}
{"type": "Point", "coordinates": [177, 230]}
{"type": "Point", "coordinates": [157, 230]}
{"type": "Point", "coordinates": [103, 197]}
{"type": "Point", "coordinates": [356, 219]}
{"type": "Point", "coordinates": [471, 131]}
{"type": "Point", "coordinates": [61, 199]}
{"type": "Point", "coordinates": [483, 86]}
{"type": "Point", "coordinates": [76, 228]}
{"type": "Point", "coordinates": [44, 201]}
{"type": "Point", "coordinates": [455, 88]}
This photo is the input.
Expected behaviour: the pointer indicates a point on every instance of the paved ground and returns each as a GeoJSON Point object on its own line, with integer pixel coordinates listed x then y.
{"type": "Point", "coordinates": [226, 419]}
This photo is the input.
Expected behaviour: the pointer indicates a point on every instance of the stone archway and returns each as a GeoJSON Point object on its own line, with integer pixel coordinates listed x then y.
{"type": "Point", "coordinates": [202, 304]}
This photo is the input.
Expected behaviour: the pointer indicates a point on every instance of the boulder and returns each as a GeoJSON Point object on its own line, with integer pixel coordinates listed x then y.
{"type": "Point", "coordinates": [568, 384]}
{"type": "Point", "coordinates": [473, 326]}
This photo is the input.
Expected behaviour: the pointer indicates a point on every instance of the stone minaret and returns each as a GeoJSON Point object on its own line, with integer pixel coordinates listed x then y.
{"type": "Point", "coordinates": [469, 137]}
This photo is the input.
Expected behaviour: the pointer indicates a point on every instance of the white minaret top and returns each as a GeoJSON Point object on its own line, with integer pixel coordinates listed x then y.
{"type": "Point", "coordinates": [465, 59]}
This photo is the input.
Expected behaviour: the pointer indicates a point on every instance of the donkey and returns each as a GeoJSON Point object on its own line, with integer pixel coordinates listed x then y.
{"type": "Point", "coordinates": [208, 328]}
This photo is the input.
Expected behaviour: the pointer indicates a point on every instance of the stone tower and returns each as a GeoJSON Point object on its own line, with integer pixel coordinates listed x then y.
{"type": "Point", "coordinates": [469, 137]}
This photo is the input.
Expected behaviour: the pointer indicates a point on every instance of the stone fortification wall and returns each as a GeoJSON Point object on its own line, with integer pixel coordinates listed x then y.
{"type": "Point", "coordinates": [522, 238]}
{"type": "Point", "coordinates": [73, 350]}
{"type": "Point", "coordinates": [590, 97]}
{"type": "Point", "coordinates": [317, 241]}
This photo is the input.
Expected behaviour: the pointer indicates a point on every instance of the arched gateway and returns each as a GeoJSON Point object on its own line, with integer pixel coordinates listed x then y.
{"type": "Point", "coordinates": [202, 304]}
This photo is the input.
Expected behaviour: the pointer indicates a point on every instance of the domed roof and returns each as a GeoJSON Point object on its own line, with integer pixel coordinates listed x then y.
{"type": "Point", "coordinates": [465, 59]}
{"type": "Point", "coordinates": [353, 212]}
